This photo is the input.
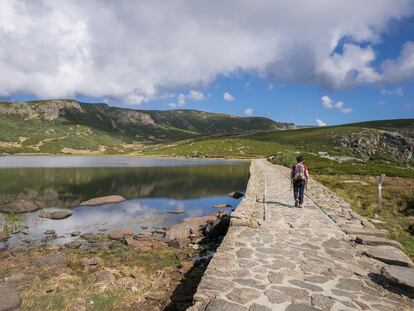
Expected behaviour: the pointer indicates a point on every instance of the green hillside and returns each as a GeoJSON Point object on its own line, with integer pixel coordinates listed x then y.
{"type": "Point", "coordinates": [354, 148]}
{"type": "Point", "coordinates": [68, 126]}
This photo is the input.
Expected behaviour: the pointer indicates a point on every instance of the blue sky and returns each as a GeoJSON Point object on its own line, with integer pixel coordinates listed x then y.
{"type": "Point", "coordinates": [325, 64]}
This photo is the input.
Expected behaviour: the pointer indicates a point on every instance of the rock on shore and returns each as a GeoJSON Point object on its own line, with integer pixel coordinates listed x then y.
{"type": "Point", "coordinates": [194, 229]}
{"type": "Point", "coordinates": [9, 298]}
{"type": "Point", "coordinates": [110, 199]}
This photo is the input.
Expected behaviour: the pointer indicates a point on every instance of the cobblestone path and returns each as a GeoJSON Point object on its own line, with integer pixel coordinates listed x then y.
{"type": "Point", "coordinates": [277, 257]}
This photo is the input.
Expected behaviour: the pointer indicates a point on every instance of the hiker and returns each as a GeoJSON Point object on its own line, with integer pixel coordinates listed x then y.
{"type": "Point", "coordinates": [299, 178]}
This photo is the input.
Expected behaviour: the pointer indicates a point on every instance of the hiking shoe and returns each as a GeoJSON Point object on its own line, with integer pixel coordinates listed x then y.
{"type": "Point", "coordinates": [300, 205]}
{"type": "Point", "coordinates": [296, 203]}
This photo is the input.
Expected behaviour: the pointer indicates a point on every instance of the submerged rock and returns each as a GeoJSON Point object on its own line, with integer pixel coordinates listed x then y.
{"type": "Point", "coordinates": [75, 233]}
{"type": "Point", "coordinates": [20, 206]}
{"type": "Point", "coordinates": [221, 205]}
{"type": "Point", "coordinates": [4, 236]}
{"type": "Point", "coordinates": [176, 212]}
{"type": "Point", "coordinates": [110, 199]}
{"type": "Point", "coordinates": [55, 213]}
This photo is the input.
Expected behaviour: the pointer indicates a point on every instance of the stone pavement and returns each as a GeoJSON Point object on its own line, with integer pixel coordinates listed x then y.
{"type": "Point", "coordinates": [277, 257]}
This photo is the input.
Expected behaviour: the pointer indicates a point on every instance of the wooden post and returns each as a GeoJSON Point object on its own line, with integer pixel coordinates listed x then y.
{"type": "Point", "coordinates": [380, 180]}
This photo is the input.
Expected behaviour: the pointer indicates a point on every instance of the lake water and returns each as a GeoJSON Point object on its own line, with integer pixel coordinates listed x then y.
{"type": "Point", "coordinates": [152, 187]}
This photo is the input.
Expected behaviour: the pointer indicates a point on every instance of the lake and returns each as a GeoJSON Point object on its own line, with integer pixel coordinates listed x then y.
{"type": "Point", "coordinates": [152, 187]}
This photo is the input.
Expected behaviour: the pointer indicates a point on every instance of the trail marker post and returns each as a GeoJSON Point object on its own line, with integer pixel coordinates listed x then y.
{"type": "Point", "coordinates": [380, 180]}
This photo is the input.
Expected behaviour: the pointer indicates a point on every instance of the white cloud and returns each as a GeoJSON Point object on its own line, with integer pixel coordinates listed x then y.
{"type": "Point", "coordinates": [330, 104]}
{"type": "Point", "coordinates": [195, 96]}
{"type": "Point", "coordinates": [228, 97]}
{"type": "Point", "coordinates": [248, 112]}
{"type": "Point", "coordinates": [327, 102]}
{"type": "Point", "coordinates": [135, 51]}
{"type": "Point", "coordinates": [319, 122]}
{"type": "Point", "coordinates": [397, 91]}
{"type": "Point", "coordinates": [182, 98]}
{"type": "Point", "coordinates": [401, 68]}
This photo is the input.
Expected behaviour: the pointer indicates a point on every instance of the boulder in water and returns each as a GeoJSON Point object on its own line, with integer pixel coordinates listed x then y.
{"type": "Point", "coordinates": [235, 195]}
{"type": "Point", "coordinates": [20, 206]}
{"type": "Point", "coordinates": [110, 199]}
{"type": "Point", "coordinates": [55, 213]}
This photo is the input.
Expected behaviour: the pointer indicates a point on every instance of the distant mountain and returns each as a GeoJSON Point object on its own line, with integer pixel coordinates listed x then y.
{"type": "Point", "coordinates": [69, 126]}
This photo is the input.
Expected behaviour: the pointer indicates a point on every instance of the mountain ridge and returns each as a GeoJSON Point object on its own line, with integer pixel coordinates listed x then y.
{"type": "Point", "coordinates": [58, 125]}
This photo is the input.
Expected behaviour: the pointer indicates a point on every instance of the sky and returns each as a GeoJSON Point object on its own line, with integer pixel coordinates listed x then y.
{"type": "Point", "coordinates": [319, 62]}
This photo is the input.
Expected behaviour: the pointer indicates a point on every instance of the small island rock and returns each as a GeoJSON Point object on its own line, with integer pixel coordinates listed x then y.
{"type": "Point", "coordinates": [20, 206]}
{"type": "Point", "coordinates": [110, 199]}
{"type": "Point", "coordinates": [55, 213]}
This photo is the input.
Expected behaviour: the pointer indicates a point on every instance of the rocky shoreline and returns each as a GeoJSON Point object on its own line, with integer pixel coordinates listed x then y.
{"type": "Point", "coordinates": [158, 270]}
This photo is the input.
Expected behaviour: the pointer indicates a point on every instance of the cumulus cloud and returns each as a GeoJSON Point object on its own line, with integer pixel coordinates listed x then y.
{"type": "Point", "coordinates": [397, 91]}
{"type": "Point", "coordinates": [248, 112]}
{"type": "Point", "coordinates": [401, 68]}
{"type": "Point", "coordinates": [135, 51]}
{"type": "Point", "coordinates": [192, 96]}
{"type": "Point", "coordinates": [330, 104]}
{"type": "Point", "coordinates": [195, 96]}
{"type": "Point", "coordinates": [228, 97]}
{"type": "Point", "coordinates": [319, 122]}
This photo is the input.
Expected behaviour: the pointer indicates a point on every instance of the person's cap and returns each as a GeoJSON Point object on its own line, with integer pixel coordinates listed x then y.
{"type": "Point", "coordinates": [299, 158]}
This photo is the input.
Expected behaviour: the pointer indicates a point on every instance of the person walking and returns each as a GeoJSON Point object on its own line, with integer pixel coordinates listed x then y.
{"type": "Point", "coordinates": [299, 178]}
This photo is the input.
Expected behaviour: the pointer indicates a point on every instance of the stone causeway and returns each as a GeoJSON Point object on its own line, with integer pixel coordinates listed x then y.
{"type": "Point", "coordinates": [323, 256]}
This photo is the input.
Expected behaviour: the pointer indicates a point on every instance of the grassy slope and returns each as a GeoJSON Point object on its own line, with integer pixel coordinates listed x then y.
{"type": "Point", "coordinates": [100, 125]}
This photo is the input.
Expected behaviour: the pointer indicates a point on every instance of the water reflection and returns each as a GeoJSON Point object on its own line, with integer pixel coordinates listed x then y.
{"type": "Point", "coordinates": [150, 191]}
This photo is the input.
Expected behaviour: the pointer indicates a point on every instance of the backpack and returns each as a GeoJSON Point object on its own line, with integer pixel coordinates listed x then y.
{"type": "Point", "coordinates": [299, 172]}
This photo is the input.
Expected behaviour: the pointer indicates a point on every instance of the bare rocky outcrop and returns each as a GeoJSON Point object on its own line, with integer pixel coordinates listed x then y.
{"type": "Point", "coordinates": [371, 143]}
{"type": "Point", "coordinates": [46, 110]}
